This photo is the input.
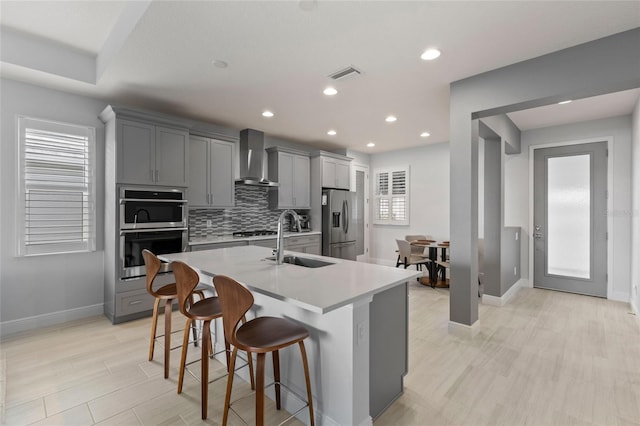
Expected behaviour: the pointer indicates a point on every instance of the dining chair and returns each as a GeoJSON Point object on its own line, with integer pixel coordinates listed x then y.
{"type": "Point", "coordinates": [407, 258]}
{"type": "Point", "coordinates": [260, 335]}
{"type": "Point", "coordinates": [168, 293]}
{"type": "Point", "coordinates": [415, 249]}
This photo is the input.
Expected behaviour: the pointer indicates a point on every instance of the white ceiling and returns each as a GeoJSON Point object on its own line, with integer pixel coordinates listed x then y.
{"type": "Point", "coordinates": [281, 53]}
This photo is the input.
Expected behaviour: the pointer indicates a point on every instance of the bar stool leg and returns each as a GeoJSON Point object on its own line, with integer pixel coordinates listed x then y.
{"type": "Point", "coordinates": [305, 364]}
{"type": "Point", "coordinates": [154, 325]}
{"type": "Point", "coordinates": [204, 374]}
{"type": "Point", "coordinates": [260, 390]}
{"type": "Point", "coordinates": [227, 398]}
{"type": "Point", "coordinates": [167, 336]}
{"type": "Point", "coordinates": [276, 375]}
{"type": "Point", "coordinates": [183, 358]}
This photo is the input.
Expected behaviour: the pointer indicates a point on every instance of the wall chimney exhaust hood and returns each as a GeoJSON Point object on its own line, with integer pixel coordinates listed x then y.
{"type": "Point", "coordinates": [252, 159]}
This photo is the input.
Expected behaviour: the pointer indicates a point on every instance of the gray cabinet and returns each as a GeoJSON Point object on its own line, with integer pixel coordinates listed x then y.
{"type": "Point", "coordinates": [211, 173]}
{"type": "Point", "coordinates": [291, 169]}
{"type": "Point", "coordinates": [303, 244]}
{"type": "Point", "coordinates": [150, 154]}
{"type": "Point", "coordinates": [334, 170]}
{"type": "Point", "coordinates": [268, 242]}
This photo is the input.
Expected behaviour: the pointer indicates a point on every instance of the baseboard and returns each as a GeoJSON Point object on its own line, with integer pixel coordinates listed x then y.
{"type": "Point", "coordinates": [8, 328]}
{"type": "Point", "coordinates": [619, 296]}
{"type": "Point", "coordinates": [504, 299]}
{"type": "Point", "coordinates": [463, 330]}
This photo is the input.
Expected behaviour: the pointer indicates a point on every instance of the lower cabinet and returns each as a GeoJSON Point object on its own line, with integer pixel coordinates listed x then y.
{"type": "Point", "coordinates": [269, 243]}
{"type": "Point", "coordinates": [304, 244]}
{"type": "Point", "coordinates": [132, 302]}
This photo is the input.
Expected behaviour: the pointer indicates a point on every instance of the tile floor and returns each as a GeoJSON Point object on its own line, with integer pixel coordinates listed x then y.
{"type": "Point", "coordinates": [547, 358]}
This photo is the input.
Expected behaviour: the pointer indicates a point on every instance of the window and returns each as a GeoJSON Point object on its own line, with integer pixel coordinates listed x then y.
{"type": "Point", "coordinates": [56, 197]}
{"type": "Point", "coordinates": [392, 196]}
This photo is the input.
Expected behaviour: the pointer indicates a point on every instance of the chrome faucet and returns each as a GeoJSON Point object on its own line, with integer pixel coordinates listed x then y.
{"type": "Point", "coordinates": [279, 251]}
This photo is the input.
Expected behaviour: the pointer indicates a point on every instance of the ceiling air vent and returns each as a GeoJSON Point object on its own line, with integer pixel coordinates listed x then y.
{"type": "Point", "coordinates": [344, 73]}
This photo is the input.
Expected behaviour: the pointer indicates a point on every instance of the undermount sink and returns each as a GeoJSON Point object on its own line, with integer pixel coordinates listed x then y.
{"type": "Point", "coordinates": [302, 261]}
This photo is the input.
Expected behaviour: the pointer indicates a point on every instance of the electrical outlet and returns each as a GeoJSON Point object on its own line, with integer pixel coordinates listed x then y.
{"type": "Point", "coordinates": [209, 223]}
{"type": "Point", "coordinates": [515, 270]}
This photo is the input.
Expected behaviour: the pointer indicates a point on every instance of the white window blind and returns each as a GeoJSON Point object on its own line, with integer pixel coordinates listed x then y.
{"type": "Point", "coordinates": [392, 196]}
{"type": "Point", "coordinates": [56, 206]}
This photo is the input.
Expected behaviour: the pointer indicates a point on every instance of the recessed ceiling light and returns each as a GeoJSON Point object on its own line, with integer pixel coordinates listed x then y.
{"type": "Point", "coordinates": [430, 54]}
{"type": "Point", "coordinates": [425, 134]}
{"type": "Point", "coordinates": [330, 91]}
{"type": "Point", "coordinates": [331, 132]}
{"type": "Point", "coordinates": [564, 102]}
{"type": "Point", "coordinates": [390, 119]}
{"type": "Point", "coordinates": [219, 63]}
{"type": "Point", "coordinates": [267, 114]}
{"type": "Point", "coordinates": [371, 144]}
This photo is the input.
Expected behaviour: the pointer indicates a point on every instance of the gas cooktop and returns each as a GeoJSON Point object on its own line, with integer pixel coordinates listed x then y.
{"type": "Point", "coordinates": [254, 233]}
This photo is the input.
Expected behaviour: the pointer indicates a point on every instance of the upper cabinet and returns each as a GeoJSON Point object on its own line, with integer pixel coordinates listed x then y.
{"type": "Point", "coordinates": [335, 170]}
{"type": "Point", "coordinates": [151, 155]}
{"type": "Point", "coordinates": [211, 173]}
{"type": "Point", "coordinates": [291, 169]}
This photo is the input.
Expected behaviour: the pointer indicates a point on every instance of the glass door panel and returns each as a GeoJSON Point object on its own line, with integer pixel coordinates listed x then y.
{"type": "Point", "coordinates": [569, 216]}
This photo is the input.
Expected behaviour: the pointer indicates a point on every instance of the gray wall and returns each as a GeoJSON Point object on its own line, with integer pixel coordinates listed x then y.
{"type": "Point", "coordinates": [492, 197]}
{"type": "Point", "coordinates": [70, 285]}
{"type": "Point", "coordinates": [606, 65]}
{"type": "Point", "coordinates": [635, 211]}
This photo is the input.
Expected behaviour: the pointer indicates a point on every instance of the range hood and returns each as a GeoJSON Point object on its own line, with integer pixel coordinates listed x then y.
{"type": "Point", "coordinates": [252, 159]}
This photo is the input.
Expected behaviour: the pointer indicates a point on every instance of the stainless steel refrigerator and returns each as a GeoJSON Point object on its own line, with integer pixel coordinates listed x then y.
{"type": "Point", "coordinates": [339, 224]}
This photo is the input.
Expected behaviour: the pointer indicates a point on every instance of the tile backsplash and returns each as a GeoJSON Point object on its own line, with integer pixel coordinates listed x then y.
{"type": "Point", "coordinates": [251, 212]}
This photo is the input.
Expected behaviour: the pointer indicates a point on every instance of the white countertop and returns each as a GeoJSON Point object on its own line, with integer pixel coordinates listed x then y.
{"type": "Point", "coordinates": [226, 238]}
{"type": "Point", "coordinates": [318, 290]}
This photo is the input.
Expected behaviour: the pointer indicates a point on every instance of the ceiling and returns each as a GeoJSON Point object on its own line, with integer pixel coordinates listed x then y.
{"type": "Point", "coordinates": [159, 55]}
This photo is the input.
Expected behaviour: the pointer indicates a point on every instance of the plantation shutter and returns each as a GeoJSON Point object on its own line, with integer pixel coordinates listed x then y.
{"type": "Point", "coordinates": [57, 195]}
{"type": "Point", "coordinates": [391, 197]}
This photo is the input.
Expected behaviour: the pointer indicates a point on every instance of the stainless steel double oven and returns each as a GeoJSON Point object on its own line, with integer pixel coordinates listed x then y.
{"type": "Point", "coordinates": [153, 219]}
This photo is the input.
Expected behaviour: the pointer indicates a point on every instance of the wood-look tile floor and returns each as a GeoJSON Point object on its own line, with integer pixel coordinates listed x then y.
{"type": "Point", "coordinates": [547, 358]}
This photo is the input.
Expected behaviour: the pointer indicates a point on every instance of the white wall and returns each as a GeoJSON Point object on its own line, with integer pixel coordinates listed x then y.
{"type": "Point", "coordinates": [429, 198]}
{"type": "Point", "coordinates": [517, 189]}
{"type": "Point", "coordinates": [45, 289]}
{"type": "Point", "coordinates": [635, 212]}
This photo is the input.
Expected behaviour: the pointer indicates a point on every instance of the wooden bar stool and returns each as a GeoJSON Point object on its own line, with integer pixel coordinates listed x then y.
{"type": "Point", "coordinates": [168, 293]}
{"type": "Point", "coordinates": [205, 310]}
{"type": "Point", "coordinates": [259, 335]}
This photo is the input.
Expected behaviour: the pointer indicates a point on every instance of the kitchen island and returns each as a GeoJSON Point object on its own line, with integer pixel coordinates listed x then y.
{"type": "Point", "coordinates": [356, 314]}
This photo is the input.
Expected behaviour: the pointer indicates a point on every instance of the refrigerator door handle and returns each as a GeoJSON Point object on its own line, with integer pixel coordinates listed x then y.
{"type": "Point", "coordinates": [346, 216]}
{"type": "Point", "coordinates": [345, 225]}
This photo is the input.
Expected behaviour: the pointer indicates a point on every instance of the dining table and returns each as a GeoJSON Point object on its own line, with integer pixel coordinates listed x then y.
{"type": "Point", "coordinates": [433, 246]}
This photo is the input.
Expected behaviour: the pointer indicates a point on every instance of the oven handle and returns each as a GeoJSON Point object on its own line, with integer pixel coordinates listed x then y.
{"type": "Point", "coordinates": [151, 200]}
{"type": "Point", "coordinates": [130, 231]}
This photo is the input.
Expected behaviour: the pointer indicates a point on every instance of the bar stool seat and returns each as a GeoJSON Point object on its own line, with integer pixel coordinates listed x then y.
{"type": "Point", "coordinates": [267, 334]}
{"type": "Point", "coordinates": [259, 335]}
